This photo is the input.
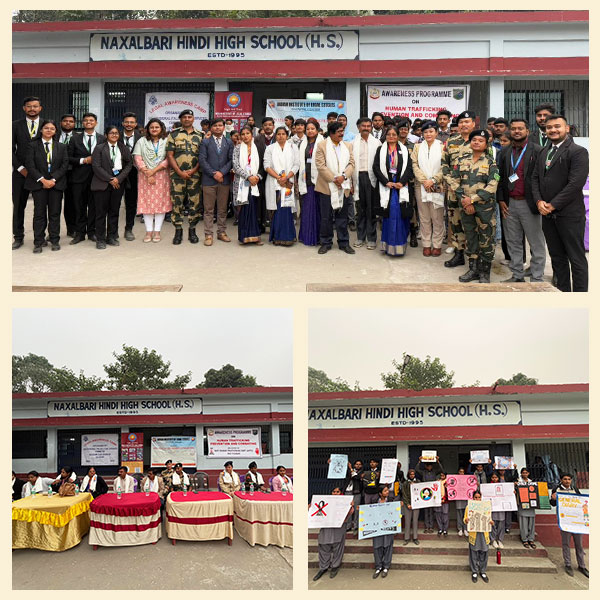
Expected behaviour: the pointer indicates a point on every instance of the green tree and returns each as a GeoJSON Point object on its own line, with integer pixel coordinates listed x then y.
{"type": "Point", "coordinates": [227, 377]}
{"type": "Point", "coordinates": [518, 379]}
{"type": "Point", "coordinates": [136, 369]}
{"type": "Point", "coordinates": [416, 374]}
{"type": "Point", "coordinates": [318, 381]}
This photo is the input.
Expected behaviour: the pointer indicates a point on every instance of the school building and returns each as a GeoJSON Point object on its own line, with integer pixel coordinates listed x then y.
{"type": "Point", "coordinates": [48, 429]}
{"type": "Point", "coordinates": [511, 61]}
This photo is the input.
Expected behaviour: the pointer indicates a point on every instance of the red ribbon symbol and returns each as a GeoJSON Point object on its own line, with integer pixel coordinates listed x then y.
{"type": "Point", "coordinates": [320, 506]}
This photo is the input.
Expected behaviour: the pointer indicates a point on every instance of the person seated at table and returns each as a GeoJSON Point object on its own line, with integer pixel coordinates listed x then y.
{"type": "Point", "coordinates": [94, 484]}
{"type": "Point", "coordinates": [167, 474]}
{"type": "Point", "coordinates": [229, 480]}
{"type": "Point", "coordinates": [255, 478]}
{"type": "Point", "coordinates": [179, 479]}
{"type": "Point", "coordinates": [124, 483]}
{"type": "Point", "coordinates": [36, 484]}
{"type": "Point", "coordinates": [281, 482]}
{"type": "Point", "coordinates": [17, 487]}
{"type": "Point", "coordinates": [64, 472]}
{"type": "Point", "coordinates": [154, 483]}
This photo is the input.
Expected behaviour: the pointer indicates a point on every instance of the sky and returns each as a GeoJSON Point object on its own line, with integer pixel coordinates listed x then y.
{"type": "Point", "coordinates": [477, 344]}
{"type": "Point", "coordinates": [258, 341]}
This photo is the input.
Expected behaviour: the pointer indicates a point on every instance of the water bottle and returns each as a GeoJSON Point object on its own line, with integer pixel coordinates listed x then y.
{"type": "Point", "coordinates": [147, 489]}
{"type": "Point", "coordinates": [76, 489]}
{"type": "Point", "coordinates": [252, 488]}
{"type": "Point", "coordinates": [184, 489]}
{"type": "Point", "coordinates": [499, 557]}
{"type": "Point", "coordinates": [119, 493]}
{"type": "Point", "coordinates": [49, 491]}
{"type": "Point", "coordinates": [284, 490]}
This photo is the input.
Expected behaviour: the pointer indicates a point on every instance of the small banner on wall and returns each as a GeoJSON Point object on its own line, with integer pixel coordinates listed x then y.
{"type": "Point", "coordinates": [100, 449]}
{"type": "Point", "coordinates": [238, 442]}
{"type": "Point", "coordinates": [132, 452]}
{"type": "Point", "coordinates": [303, 109]}
{"type": "Point", "coordinates": [233, 105]}
{"type": "Point", "coordinates": [166, 106]}
{"type": "Point", "coordinates": [177, 449]}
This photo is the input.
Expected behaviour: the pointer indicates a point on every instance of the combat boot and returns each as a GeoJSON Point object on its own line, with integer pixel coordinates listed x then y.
{"type": "Point", "coordinates": [178, 236]}
{"type": "Point", "coordinates": [484, 271]}
{"type": "Point", "coordinates": [192, 235]}
{"type": "Point", "coordinates": [457, 260]}
{"type": "Point", "coordinates": [472, 274]}
{"type": "Point", "coordinates": [413, 237]}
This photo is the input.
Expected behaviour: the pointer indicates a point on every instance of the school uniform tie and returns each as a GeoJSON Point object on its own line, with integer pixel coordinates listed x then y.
{"type": "Point", "coordinates": [90, 144]}
{"type": "Point", "coordinates": [550, 156]}
{"type": "Point", "coordinates": [113, 155]}
{"type": "Point", "coordinates": [129, 145]}
{"type": "Point", "coordinates": [32, 132]}
{"type": "Point", "coordinates": [48, 155]}
{"type": "Point", "coordinates": [218, 142]}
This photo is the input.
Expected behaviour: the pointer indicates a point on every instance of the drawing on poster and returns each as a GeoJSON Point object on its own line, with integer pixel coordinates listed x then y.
{"type": "Point", "coordinates": [429, 456]}
{"type": "Point", "coordinates": [501, 495]}
{"type": "Point", "coordinates": [479, 513]}
{"type": "Point", "coordinates": [379, 519]}
{"type": "Point", "coordinates": [337, 466]}
{"type": "Point", "coordinates": [461, 487]}
{"type": "Point", "coordinates": [328, 511]}
{"type": "Point", "coordinates": [389, 466]}
{"type": "Point", "coordinates": [528, 496]}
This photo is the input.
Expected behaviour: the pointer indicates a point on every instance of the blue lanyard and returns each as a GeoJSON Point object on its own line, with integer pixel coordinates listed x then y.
{"type": "Point", "coordinates": [156, 148]}
{"type": "Point", "coordinates": [512, 162]}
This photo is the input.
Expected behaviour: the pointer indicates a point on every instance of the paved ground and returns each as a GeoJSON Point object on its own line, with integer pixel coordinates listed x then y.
{"type": "Point", "coordinates": [360, 579]}
{"type": "Point", "coordinates": [197, 566]}
{"type": "Point", "coordinates": [223, 267]}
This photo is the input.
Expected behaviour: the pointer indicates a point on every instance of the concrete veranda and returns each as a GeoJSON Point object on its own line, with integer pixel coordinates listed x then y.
{"type": "Point", "coordinates": [224, 266]}
{"type": "Point", "coordinates": [185, 566]}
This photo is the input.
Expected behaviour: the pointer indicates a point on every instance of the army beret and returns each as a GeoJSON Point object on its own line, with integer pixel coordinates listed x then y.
{"type": "Point", "coordinates": [484, 133]}
{"type": "Point", "coordinates": [429, 125]}
{"type": "Point", "coordinates": [466, 114]}
{"type": "Point", "coordinates": [500, 120]}
{"type": "Point", "coordinates": [187, 111]}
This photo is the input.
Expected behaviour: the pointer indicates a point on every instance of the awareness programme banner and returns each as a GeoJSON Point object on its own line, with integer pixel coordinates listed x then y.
{"type": "Point", "coordinates": [303, 109]}
{"type": "Point", "coordinates": [417, 101]}
{"type": "Point", "coordinates": [166, 106]}
{"type": "Point", "coordinates": [100, 449]}
{"type": "Point", "coordinates": [234, 442]}
{"type": "Point", "coordinates": [573, 511]}
{"type": "Point", "coordinates": [177, 449]}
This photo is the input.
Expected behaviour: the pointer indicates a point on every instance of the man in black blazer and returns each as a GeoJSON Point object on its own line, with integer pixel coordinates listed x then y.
{"type": "Point", "coordinates": [23, 132]}
{"type": "Point", "coordinates": [520, 216]}
{"type": "Point", "coordinates": [262, 141]}
{"type": "Point", "coordinates": [558, 179]}
{"type": "Point", "coordinates": [215, 158]}
{"type": "Point", "coordinates": [64, 136]}
{"type": "Point", "coordinates": [130, 136]}
{"type": "Point", "coordinates": [80, 157]}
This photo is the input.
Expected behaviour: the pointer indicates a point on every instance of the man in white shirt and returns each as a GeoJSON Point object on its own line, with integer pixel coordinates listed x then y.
{"type": "Point", "coordinates": [124, 483]}
{"type": "Point", "coordinates": [378, 121]}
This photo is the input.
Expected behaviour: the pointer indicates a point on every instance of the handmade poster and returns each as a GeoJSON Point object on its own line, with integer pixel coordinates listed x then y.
{"type": "Point", "coordinates": [528, 496]}
{"type": "Point", "coordinates": [100, 449]}
{"type": "Point", "coordinates": [132, 451]}
{"type": "Point", "coordinates": [479, 513]}
{"type": "Point", "coordinates": [234, 442]}
{"type": "Point", "coordinates": [461, 487]}
{"type": "Point", "coordinates": [425, 494]}
{"type": "Point", "coordinates": [338, 466]}
{"type": "Point", "coordinates": [543, 494]}
{"type": "Point", "coordinates": [501, 495]}
{"type": "Point", "coordinates": [389, 467]}
{"type": "Point", "coordinates": [176, 448]}
{"type": "Point", "coordinates": [429, 456]}
{"type": "Point", "coordinates": [166, 106]}
{"type": "Point", "coordinates": [479, 457]}
{"type": "Point", "coordinates": [573, 512]}
{"type": "Point", "coordinates": [379, 519]}
{"type": "Point", "coordinates": [328, 511]}
{"type": "Point", "coordinates": [504, 462]}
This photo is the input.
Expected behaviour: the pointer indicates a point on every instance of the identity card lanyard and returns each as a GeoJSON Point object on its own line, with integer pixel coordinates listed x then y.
{"type": "Point", "coordinates": [514, 177]}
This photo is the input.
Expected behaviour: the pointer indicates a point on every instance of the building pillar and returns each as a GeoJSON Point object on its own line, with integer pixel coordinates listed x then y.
{"type": "Point", "coordinates": [199, 446]}
{"type": "Point", "coordinates": [96, 101]}
{"type": "Point", "coordinates": [352, 103]}
{"type": "Point", "coordinates": [402, 455]}
{"type": "Point", "coordinates": [275, 448]}
{"type": "Point", "coordinates": [496, 100]}
{"type": "Point", "coordinates": [518, 447]}
{"type": "Point", "coordinates": [221, 85]}
{"type": "Point", "coordinates": [52, 450]}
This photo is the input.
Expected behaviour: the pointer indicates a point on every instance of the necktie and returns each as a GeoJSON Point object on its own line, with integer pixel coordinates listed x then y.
{"type": "Point", "coordinates": [129, 145]}
{"type": "Point", "coordinates": [90, 143]}
{"type": "Point", "coordinates": [48, 156]}
{"type": "Point", "coordinates": [550, 156]}
{"type": "Point", "coordinates": [218, 141]}
{"type": "Point", "coordinates": [32, 132]}
{"type": "Point", "coordinates": [113, 155]}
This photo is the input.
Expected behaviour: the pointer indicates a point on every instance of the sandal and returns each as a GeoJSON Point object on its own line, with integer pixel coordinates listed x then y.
{"type": "Point", "coordinates": [525, 544]}
{"type": "Point", "coordinates": [148, 237]}
{"type": "Point", "coordinates": [532, 545]}
{"type": "Point", "coordinates": [156, 237]}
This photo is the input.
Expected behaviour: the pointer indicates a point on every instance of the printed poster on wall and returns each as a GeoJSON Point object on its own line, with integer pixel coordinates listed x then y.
{"type": "Point", "coordinates": [573, 512]}
{"type": "Point", "coordinates": [389, 468]}
{"type": "Point", "coordinates": [379, 519]}
{"type": "Point", "coordinates": [328, 511]}
{"type": "Point", "coordinates": [425, 494]}
{"type": "Point", "coordinates": [236, 442]}
{"type": "Point", "coordinates": [176, 448]}
{"type": "Point", "coordinates": [233, 105]}
{"type": "Point", "coordinates": [303, 109]}
{"type": "Point", "coordinates": [479, 513]}
{"type": "Point", "coordinates": [338, 465]}
{"type": "Point", "coordinates": [166, 106]}
{"type": "Point", "coordinates": [100, 449]}
{"type": "Point", "coordinates": [461, 487]}
{"type": "Point", "coordinates": [501, 495]}
{"type": "Point", "coordinates": [132, 451]}
{"type": "Point", "coordinates": [417, 101]}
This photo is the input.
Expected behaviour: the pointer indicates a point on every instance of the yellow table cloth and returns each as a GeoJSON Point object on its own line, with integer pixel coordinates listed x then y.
{"type": "Point", "coordinates": [50, 523]}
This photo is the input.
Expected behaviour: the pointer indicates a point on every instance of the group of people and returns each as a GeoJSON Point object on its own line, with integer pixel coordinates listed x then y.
{"type": "Point", "coordinates": [363, 484]}
{"type": "Point", "coordinates": [445, 178]}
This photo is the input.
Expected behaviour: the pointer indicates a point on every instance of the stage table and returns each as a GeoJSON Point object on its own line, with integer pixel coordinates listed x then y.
{"type": "Point", "coordinates": [264, 519]}
{"type": "Point", "coordinates": [132, 520]}
{"type": "Point", "coordinates": [199, 516]}
{"type": "Point", "coordinates": [52, 523]}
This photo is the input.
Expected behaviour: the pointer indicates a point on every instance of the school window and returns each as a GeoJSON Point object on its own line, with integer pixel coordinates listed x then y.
{"type": "Point", "coordinates": [79, 104]}
{"type": "Point", "coordinates": [29, 444]}
{"type": "Point", "coordinates": [286, 445]}
{"type": "Point", "coordinates": [547, 461]}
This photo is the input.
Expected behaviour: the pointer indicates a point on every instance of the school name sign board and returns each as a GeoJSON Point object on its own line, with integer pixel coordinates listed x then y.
{"type": "Point", "coordinates": [416, 415]}
{"type": "Point", "coordinates": [115, 408]}
{"type": "Point", "coordinates": [274, 45]}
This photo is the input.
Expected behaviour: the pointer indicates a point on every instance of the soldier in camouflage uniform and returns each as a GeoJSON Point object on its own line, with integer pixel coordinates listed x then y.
{"type": "Point", "coordinates": [455, 144]}
{"type": "Point", "coordinates": [474, 182]}
{"type": "Point", "coordinates": [183, 146]}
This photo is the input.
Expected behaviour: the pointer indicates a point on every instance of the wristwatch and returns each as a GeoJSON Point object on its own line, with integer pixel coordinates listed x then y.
{"type": "Point", "coordinates": [344, 176]}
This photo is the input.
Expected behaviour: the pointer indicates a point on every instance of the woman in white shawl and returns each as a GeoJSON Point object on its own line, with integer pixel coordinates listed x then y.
{"type": "Point", "coordinates": [427, 167]}
{"type": "Point", "coordinates": [310, 217]}
{"type": "Point", "coordinates": [154, 192]}
{"type": "Point", "coordinates": [281, 164]}
{"type": "Point", "coordinates": [229, 480]}
{"type": "Point", "coordinates": [392, 167]}
{"type": "Point", "coordinates": [94, 484]}
{"type": "Point", "coordinates": [246, 195]}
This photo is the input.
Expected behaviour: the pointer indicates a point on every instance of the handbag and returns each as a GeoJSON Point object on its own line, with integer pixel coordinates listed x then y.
{"type": "Point", "coordinates": [67, 489]}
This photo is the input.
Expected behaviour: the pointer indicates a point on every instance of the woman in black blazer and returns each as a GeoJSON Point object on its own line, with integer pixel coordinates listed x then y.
{"type": "Point", "coordinates": [47, 162]}
{"type": "Point", "coordinates": [111, 163]}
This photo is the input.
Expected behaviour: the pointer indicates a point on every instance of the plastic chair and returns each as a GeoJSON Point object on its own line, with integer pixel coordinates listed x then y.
{"type": "Point", "coordinates": [202, 480]}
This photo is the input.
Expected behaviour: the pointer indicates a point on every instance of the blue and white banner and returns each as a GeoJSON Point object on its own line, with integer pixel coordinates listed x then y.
{"type": "Point", "coordinates": [303, 109]}
{"type": "Point", "coordinates": [379, 519]}
{"type": "Point", "coordinates": [175, 448]}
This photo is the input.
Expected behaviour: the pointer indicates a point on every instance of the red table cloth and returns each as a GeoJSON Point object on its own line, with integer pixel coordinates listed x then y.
{"type": "Point", "coordinates": [199, 516]}
{"type": "Point", "coordinates": [131, 520]}
{"type": "Point", "coordinates": [264, 519]}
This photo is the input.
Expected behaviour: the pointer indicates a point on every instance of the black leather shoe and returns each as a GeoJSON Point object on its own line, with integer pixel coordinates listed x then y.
{"type": "Point", "coordinates": [352, 226]}
{"type": "Point", "coordinates": [129, 235]}
{"type": "Point", "coordinates": [413, 238]}
{"type": "Point", "coordinates": [324, 249]}
{"type": "Point", "coordinates": [484, 271]}
{"type": "Point", "coordinates": [45, 244]}
{"type": "Point", "coordinates": [569, 571]}
{"type": "Point", "coordinates": [17, 244]}
{"type": "Point", "coordinates": [112, 242]}
{"type": "Point", "coordinates": [92, 237]}
{"type": "Point", "coordinates": [457, 260]}
{"type": "Point", "coordinates": [78, 238]}
{"type": "Point", "coordinates": [333, 572]}
{"type": "Point", "coordinates": [584, 571]}
{"type": "Point", "coordinates": [178, 237]}
{"type": "Point", "coordinates": [319, 574]}
{"type": "Point", "coordinates": [348, 250]}
{"type": "Point", "coordinates": [192, 237]}
{"type": "Point", "coordinates": [101, 245]}
{"type": "Point", "coordinates": [70, 233]}
{"type": "Point", "coordinates": [513, 280]}
{"type": "Point", "coordinates": [471, 275]}
{"type": "Point", "coordinates": [37, 250]}
{"type": "Point", "coordinates": [55, 247]}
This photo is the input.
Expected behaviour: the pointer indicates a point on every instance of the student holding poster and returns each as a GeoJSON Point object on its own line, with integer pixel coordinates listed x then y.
{"type": "Point", "coordinates": [566, 487]}
{"type": "Point", "coordinates": [481, 471]}
{"type": "Point", "coordinates": [354, 486]}
{"type": "Point", "coordinates": [383, 545]}
{"type": "Point", "coordinates": [410, 514]}
{"type": "Point", "coordinates": [499, 518]}
{"type": "Point", "coordinates": [428, 472]}
{"type": "Point", "coordinates": [371, 482]}
{"type": "Point", "coordinates": [460, 506]}
{"type": "Point", "coordinates": [526, 515]}
{"type": "Point", "coordinates": [441, 512]}
{"type": "Point", "coordinates": [478, 548]}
